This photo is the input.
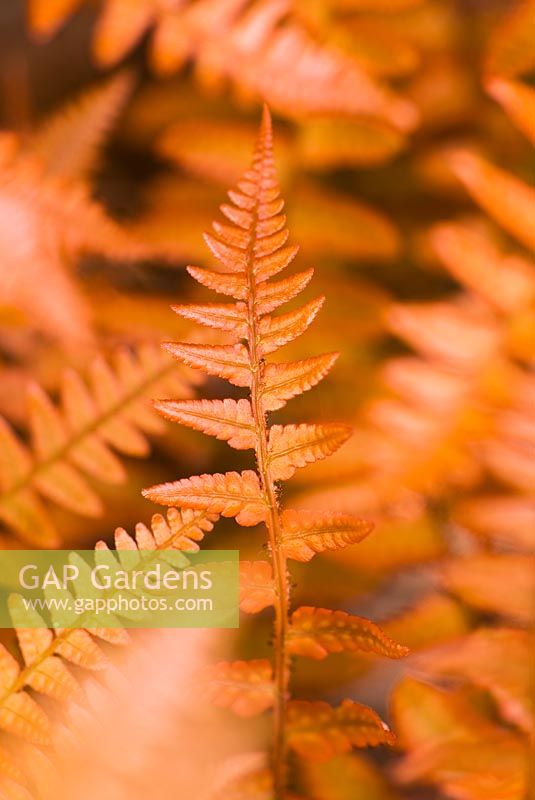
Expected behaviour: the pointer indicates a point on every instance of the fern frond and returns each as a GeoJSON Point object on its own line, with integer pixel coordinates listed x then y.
{"type": "Point", "coordinates": [317, 731]}
{"type": "Point", "coordinates": [257, 587]}
{"type": "Point", "coordinates": [244, 687]}
{"type": "Point", "coordinates": [67, 143]}
{"type": "Point", "coordinates": [45, 651]}
{"type": "Point", "coordinates": [316, 632]}
{"type": "Point", "coordinates": [305, 533]}
{"type": "Point", "coordinates": [253, 250]}
{"type": "Point", "coordinates": [110, 412]}
{"type": "Point", "coordinates": [231, 494]}
{"type": "Point", "coordinates": [506, 282]}
{"type": "Point", "coordinates": [263, 47]}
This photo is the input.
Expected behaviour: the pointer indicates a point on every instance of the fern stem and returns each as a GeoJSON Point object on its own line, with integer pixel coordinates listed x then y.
{"type": "Point", "coordinates": [282, 588]}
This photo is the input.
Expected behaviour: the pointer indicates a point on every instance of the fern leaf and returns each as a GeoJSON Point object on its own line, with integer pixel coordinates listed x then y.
{"type": "Point", "coordinates": [316, 632]}
{"type": "Point", "coordinates": [317, 731]}
{"type": "Point", "coordinates": [507, 518]}
{"type": "Point", "coordinates": [229, 420]}
{"type": "Point", "coordinates": [284, 381]}
{"type": "Point", "coordinates": [61, 483]}
{"type": "Point", "coordinates": [46, 16]}
{"type": "Point", "coordinates": [232, 494]}
{"type": "Point", "coordinates": [445, 732]}
{"type": "Point", "coordinates": [110, 412]}
{"type": "Point", "coordinates": [455, 335]}
{"type": "Point", "coordinates": [474, 580]}
{"type": "Point", "coordinates": [80, 649]}
{"type": "Point", "coordinates": [52, 678]}
{"type": "Point", "coordinates": [67, 143]}
{"type": "Point", "coordinates": [278, 331]}
{"type": "Point", "coordinates": [257, 588]}
{"type": "Point", "coordinates": [305, 533]}
{"type": "Point", "coordinates": [518, 100]}
{"type": "Point", "coordinates": [294, 446]}
{"type": "Point", "coordinates": [224, 361]}
{"type": "Point", "coordinates": [182, 530]}
{"type": "Point", "coordinates": [245, 687]}
{"type": "Point", "coordinates": [21, 716]}
{"type": "Point", "coordinates": [226, 317]}
{"type": "Point", "coordinates": [497, 660]}
{"type": "Point", "coordinates": [223, 283]}
{"type": "Point", "coordinates": [507, 282]}
{"type": "Point", "coordinates": [509, 50]}
{"type": "Point", "coordinates": [272, 295]}
{"type": "Point", "coordinates": [505, 198]}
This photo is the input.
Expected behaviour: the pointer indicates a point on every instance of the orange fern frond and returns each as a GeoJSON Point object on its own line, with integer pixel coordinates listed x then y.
{"type": "Point", "coordinates": [317, 731]}
{"type": "Point", "coordinates": [252, 250]}
{"type": "Point", "coordinates": [245, 687]}
{"type": "Point", "coordinates": [280, 59]}
{"type": "Point", "coordinates": [46, 654]}
{"type": "Point", "coordinates": [305, 533]}
{"type": "Point", "coordinates": [49, 217]}
{"type": "Point", "coordinates": [67, 143]}
{"type": "Point", "coordinates": [316, 632]}
{"type": "Point", "coordinates": [110, 412]}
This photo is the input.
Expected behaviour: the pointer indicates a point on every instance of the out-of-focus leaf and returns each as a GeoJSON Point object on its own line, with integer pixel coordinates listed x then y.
{"type": "Point", "coordinates": [326, 144]}
{"type": "Point", "coordinates": [333, 225]}
{"type": "Point", "coordinates": [507, 199]}
{"type": "Point", "coordinates": [434, 619]}
{"type": "Point", "coordinates": [507, 518]}
{"type": "Point", "coordinates": [518, 100]}
{"type": "Point", "coordinates": [495, 659]}
{"type": "Point", "coordinates": [347, 777]}
{"type": "Point", "coordinates": [67, 143]}
{"type": "Point", "coordinates": [509, 50]}
{"type": "Point", "coordinates": [475, 580]}
{"type": "Point", "coordinates": [452, 745]}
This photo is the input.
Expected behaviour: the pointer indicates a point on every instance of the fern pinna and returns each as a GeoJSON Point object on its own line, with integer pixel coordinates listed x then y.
{"type": "Point", "coordinates": [252, 250]}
